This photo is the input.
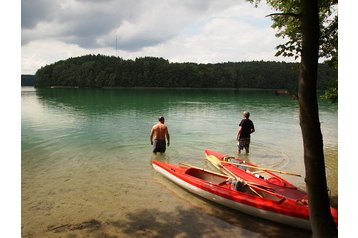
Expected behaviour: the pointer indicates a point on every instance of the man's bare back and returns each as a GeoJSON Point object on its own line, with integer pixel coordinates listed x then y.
{"type": "Point", "coordinates": [159, 131]}
{"type": "Point", "coordinates": [159, 135]}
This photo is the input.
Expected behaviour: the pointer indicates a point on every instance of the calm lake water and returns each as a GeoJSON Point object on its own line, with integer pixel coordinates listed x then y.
{"type": "Point", "coordinates": [86, 171]}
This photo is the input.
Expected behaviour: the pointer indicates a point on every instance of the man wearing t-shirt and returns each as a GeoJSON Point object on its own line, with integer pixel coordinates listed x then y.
{"type": "Point", "coordinates": [246, 127]}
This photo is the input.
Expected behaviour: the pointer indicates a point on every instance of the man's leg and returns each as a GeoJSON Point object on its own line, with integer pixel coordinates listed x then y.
{"type": "Point", "coordinates": [247, 145]}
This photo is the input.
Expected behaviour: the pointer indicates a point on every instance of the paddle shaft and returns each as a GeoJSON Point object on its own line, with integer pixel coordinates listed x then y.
{"type": "Point", "coordinates": [243, 181]}
{"type": "Point", "coordinates": [229, 175]}
{"type": "Point", "coordinates": [260, 168]}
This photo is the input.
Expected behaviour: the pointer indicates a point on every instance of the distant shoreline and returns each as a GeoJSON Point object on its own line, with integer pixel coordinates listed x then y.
{"type": "Point", "coordinates": [165, 88]}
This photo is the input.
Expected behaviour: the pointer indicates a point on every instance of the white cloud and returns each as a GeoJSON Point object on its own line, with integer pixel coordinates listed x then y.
{"type": "Point", "coordinates": [220, 37]}
{"type": "Point", "coordinates": [183, 31]}
{"type": "Point", "coordinates": [42, 52]}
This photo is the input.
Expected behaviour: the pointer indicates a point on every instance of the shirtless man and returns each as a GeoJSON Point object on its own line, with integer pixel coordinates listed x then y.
{"type": "Point", "coordinates": [159, 133]}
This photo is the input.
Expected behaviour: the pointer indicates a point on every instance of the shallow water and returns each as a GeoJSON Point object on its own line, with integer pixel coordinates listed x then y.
{"type": "Point", "coordinates": [86, 172]}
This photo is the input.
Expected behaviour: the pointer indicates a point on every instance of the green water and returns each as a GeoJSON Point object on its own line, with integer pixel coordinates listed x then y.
{"type": "Point", "coordinates": [86, 157]}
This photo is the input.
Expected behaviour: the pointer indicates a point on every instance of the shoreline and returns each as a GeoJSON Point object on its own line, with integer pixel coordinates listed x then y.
{"type": "Point", "coordinates": [164, 88]}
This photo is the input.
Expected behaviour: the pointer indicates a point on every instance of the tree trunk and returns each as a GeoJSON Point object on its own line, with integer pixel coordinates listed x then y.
{"type": "Point", "coordinates": [320, 216]}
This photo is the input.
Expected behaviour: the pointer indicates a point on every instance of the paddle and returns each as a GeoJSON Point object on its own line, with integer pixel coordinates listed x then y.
{"type": "Point", "coordinates": [243, 181]}
{"type": "Point", "coordinates": [260, 168]}
{"type": "Point", "coordinates": [229, 175]}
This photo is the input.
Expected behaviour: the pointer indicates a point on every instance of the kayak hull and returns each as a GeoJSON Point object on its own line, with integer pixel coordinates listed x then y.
{"type": "Point", "coordinates": [276, 209]}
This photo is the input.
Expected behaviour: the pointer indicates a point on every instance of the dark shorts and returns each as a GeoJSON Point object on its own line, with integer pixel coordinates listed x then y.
{"type": "Point", "coordinates": [243, 143]}
{"type": "Point", "coordinates": [159, 146]}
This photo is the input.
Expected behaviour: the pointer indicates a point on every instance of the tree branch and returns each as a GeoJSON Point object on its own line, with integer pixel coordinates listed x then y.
{"type": "Point", "coordinates": [284, 14]}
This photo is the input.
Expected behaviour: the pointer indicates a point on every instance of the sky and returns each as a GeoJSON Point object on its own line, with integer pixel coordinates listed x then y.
{"type": "Point", "coordinates": [201, 31]}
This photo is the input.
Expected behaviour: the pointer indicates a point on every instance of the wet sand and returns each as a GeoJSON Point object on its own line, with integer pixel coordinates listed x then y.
{"type": "Point", "coordinates": [145, 204]}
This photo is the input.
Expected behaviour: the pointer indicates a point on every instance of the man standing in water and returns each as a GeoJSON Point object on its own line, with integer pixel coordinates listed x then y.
{"type": "Point", "coordinates": [246, 127]}
{"type": "Point", "coordinates": [160, 134]}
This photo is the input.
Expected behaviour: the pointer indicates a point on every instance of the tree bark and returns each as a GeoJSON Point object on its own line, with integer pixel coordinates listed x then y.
{"type": "Point", "coordinates": [320, 216]}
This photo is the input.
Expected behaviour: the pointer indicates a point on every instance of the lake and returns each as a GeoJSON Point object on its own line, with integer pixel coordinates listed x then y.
{"type": "Point", "coordinates": [86, 159]}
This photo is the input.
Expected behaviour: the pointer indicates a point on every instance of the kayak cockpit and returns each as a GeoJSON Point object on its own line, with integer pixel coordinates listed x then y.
{"type": "Point", "coordinates": [209, 177]}
{"type": "Point", "coordinates": [232, 184]}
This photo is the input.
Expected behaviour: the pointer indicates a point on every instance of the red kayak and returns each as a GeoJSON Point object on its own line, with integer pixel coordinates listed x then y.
{"type": "Point", "coordinates": [241, 169]}
{"type": "Point", "coordinates": [251, 199]}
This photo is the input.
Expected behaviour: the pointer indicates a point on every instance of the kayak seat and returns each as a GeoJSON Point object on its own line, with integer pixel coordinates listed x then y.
{"type": "Point", "coordinates": [227, 158]}
{"type": "Point", "coordinates": [239, 186]}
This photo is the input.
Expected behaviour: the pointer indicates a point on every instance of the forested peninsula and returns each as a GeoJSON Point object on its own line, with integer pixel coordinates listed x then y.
{"type": "Point", "coordinates": [96, 71]}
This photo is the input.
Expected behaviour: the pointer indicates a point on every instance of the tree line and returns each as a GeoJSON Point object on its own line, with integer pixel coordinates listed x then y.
{"type": "Point", "coordinates": [95, 71]}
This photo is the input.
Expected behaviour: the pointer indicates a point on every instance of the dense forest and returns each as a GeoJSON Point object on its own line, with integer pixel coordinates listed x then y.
{"type": "Point", "coordinates": [109, 71]}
